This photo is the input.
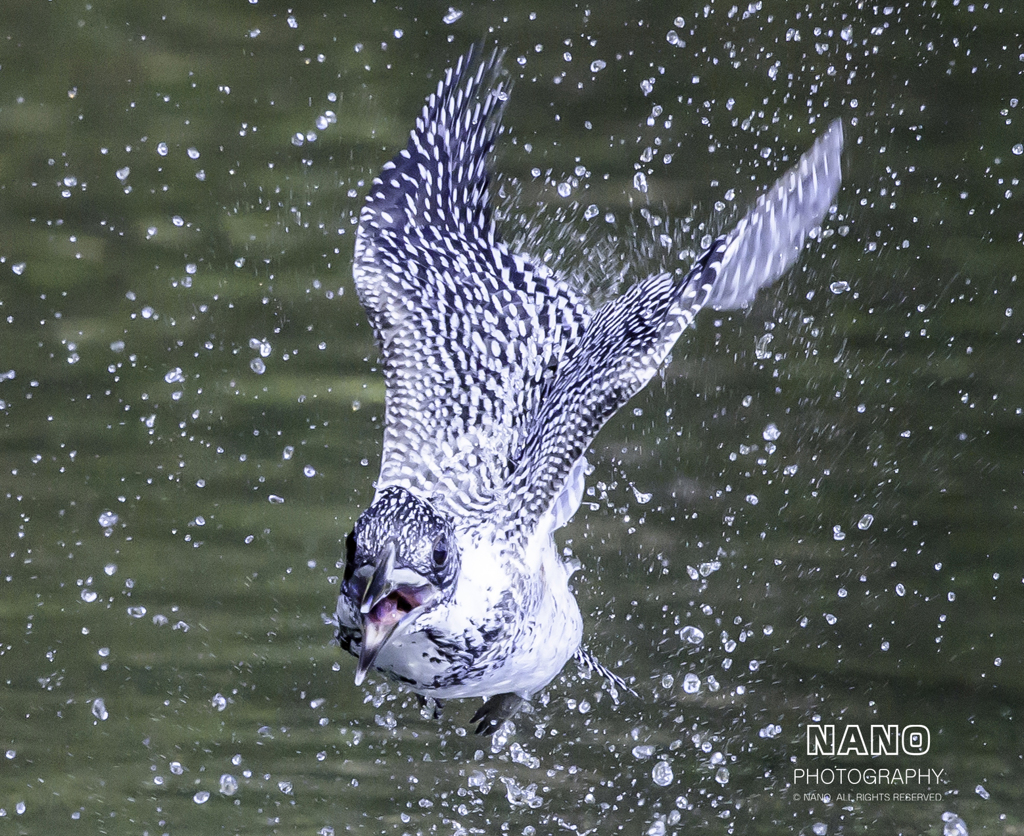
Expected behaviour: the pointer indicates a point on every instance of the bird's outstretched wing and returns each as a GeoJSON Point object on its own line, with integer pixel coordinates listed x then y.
{"type": "Point", "coordinates": [767, 240]}
{"type": "Point", "coordinates": [628, 339]}
{"type": "Point", "coordinates": [470, 333]}
{"type": "Point", "coordinates": [498, 375]}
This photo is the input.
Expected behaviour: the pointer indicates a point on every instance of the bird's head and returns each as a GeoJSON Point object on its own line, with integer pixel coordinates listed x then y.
{"type": "Point", "coordinates": [400, 561]}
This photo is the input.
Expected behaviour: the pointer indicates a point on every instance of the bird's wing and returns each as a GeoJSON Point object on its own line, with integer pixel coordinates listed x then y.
{"type": "Point", "coordinates": [469, 332]}
{"type": "Point", "coordinates": [768, 239]}
{"type": "Point", "coordinates": [629, 338]}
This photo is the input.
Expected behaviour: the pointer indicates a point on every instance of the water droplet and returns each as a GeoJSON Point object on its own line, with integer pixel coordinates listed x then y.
{"type": "Point", "coordinates": [662, 773]}
{"type": "Point", "coordinates": [219, 702]}
{"type": "Point", "coordinates": [99, 709]}
{"type": "Point", "coordinates": [108, 519]}
{"type": "Point", "coordinates": [839, 287]}
{"type": "Point", "coordinates": [274, 499]}
{"type": "Point", "coordinates": [564, 189]}
{"type": "Point", "coordinates": [761, 349]}
{"type": "Point", "coordinates": [201, 797]}
{"type": "Point", "coordinates": [691, 683]}
{"type": "Point", "coordinates": [838, 533]}
{"type": "Point", "coordinates": [642, 753]}
{"type": "Point", "coordinates": [640, 182]}
{"type": "Point", "coordinates": [901, 590]}
{"type": "Point", "coordinates": [865, 522]}
{"type": "Point", "coordinates": [175, 375]}
{"type": "Point", "coordinates": [309, 471]}
{"type": "Point", "coordinates": [176, 768]}
{"type": "Point", "coordinates": [110, 569]}
{"type": "Point", "coordinates": [691, 635]}
{"type": "Point", "coordinates": [771, 433]}
{"type": "Point", "coordinates": [122, 173]}
{"type": "Point", "coordinates": [954, 825]}
{"type": "Point", "coordinates": [285, 787]}
{"type": "Point", "coordinates": [452, 15]}
{"type": "Point", "coordinates": [257, 365]}
{"type": "Point", "coordinates": [597, 66]}
{"type": "Point", "coordinates": [1018, 149]}
{"type": "Point", "coordinates": [722, 776]}
{"type": "Point", "coordinates": [641, 497]}
{"type": "Point", "coordinates": [89, 595]}
{"type": "Point", "coordinates": [137, 611]}
{"type": "Point", "coordinates": [228, 784]}
{"type": "Point", "coordinates": [709, 567]}
{"type": "Point", "coordinates": [980, 790]}
{"type": "Point", "coordinates": [846, 33]}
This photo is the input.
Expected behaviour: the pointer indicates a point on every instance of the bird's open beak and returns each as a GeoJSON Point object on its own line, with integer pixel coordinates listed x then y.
{"type": "Point", "coordinates": [375, 636]}
{"type": "Point", "coordinates": [390, 597]}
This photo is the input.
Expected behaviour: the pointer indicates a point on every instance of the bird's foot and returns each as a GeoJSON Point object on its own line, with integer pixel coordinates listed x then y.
{"type": "Point", "coordinates": [496, 711]}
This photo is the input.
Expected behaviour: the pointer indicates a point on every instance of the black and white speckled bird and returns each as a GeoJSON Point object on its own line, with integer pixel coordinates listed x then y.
{"type": "Point", "coordinates": [498, 378]}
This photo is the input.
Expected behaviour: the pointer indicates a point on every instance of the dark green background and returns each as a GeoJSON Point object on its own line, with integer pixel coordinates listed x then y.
{"type": "Point", "coordinates": [169, 208]}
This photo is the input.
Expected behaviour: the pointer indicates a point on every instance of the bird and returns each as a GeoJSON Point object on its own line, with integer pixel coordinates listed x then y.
{"type": "Point", "coordinates": [498, 376]}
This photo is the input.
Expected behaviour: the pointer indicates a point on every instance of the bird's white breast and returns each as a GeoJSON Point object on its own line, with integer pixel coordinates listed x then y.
{"type": "Point", "coordinates": [513, 612]}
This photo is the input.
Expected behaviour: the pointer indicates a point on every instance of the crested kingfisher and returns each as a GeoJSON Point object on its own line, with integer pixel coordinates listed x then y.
{"type": "Point", "coordinates": [498, 377]}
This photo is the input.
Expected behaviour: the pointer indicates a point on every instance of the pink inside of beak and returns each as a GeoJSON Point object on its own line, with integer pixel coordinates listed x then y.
{"type": "Point", "coordinates": [380, 622]}
{"type": "Point", "coordinates": [398, 604]}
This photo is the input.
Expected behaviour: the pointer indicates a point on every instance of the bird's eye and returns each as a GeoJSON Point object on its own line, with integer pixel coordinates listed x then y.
{"type": "Point", "coordinates": [440, 552]}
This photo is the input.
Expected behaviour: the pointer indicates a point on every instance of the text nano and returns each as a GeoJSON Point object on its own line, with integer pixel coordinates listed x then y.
{"type": "Point", "coordinates": [890, 739]}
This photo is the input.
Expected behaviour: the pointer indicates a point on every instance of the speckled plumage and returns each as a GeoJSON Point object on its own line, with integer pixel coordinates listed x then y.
{"type": "Point", "coordinates": [498, 378]}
